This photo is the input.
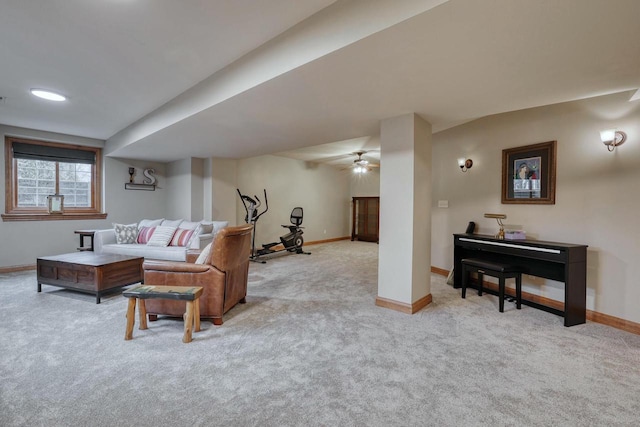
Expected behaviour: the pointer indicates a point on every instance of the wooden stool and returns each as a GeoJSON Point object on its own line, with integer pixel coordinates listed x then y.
{"type": "Point", "coordinates": [184, 293]}
{"type": "Point", "coordinates": [494, 269]}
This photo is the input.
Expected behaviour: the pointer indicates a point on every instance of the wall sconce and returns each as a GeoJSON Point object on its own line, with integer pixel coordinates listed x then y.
{"type": "Point", "coordinates": [612, 138]}
{"type": "Point", "coordinates": [465, 164]}
{"type": "Point", "coordinates": [499, 218]}
{"type": "Point", "coordinates": [131, 172]}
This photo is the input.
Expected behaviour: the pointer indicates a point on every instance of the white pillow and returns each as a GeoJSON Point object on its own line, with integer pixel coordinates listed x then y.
{"type": "Point", "coordinates": [162, 236]}
{"type": "Point", "coordinates": [171, 223]}
{"type": "Point", "coordinates": [202, 258]}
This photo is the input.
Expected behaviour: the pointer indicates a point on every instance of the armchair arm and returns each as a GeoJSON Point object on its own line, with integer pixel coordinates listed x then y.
{"type": "Point", "coordinates": [175, 267]}
{"type": "Point", "coordinates": [192, 255]}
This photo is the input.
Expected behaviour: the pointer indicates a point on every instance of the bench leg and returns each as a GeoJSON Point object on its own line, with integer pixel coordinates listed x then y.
{"type": "Point", "coordinates": [480, 282]}
{"type": "Point", "coordinates": [518, 292]}
{"type": "Point", "coordinates": [196, 315]}
{"type": "Point", "coordinates": [188, 323]}
{"type": "Point", "coordinates": [131, 319]}
{"type": "Point", "coordinates": [465, 277]}
{"type": "Point", "coordinates": [501, 295]}
{"type": "Point", "coordinates": [142, 314]}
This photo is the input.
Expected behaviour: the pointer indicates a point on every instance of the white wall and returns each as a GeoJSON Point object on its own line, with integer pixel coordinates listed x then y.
{"type": "Point", "coordinates": [178, 188]}
{"type": "Point", "coordinates": [322, 191]}
{"type": "Point", "coordinates": [596, 198]}
{"type": "Point", "coordinates": [365, 185]}
{"type": "Point", "coordinates": [24, 241]}
{"type": "Point", "coordinates": [224, 197]}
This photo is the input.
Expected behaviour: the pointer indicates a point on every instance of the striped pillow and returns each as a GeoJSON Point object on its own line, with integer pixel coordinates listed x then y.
{"type": "Point", "coordinates": [162, 236]}
{"type": "Point", "coordinates": [144, 234]}
{"type": "Point", "coordinates": [181, 237]}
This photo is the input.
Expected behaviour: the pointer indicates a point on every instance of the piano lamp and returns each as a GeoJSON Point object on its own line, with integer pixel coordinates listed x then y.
{"type": "Point", "coordinates": [612, 138]}
{"type": "Point", "coordinates": [499, 218]}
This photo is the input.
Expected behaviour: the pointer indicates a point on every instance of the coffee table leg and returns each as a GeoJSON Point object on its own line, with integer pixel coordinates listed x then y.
{"type": "Point", "coordinates": [196, 315]}
{"type": "Point", "coordinates": [131, 319]}
{"type": "Point", "coordinates": [188, 322]}
{"type": "Point", "coordinates": [142, 311]}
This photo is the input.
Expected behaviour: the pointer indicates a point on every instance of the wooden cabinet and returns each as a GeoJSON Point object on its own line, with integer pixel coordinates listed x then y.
{"type": "Point", "coordinates": [366, 212]}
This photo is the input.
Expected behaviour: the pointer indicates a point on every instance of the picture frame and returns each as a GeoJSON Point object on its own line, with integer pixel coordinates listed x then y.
{"type": "Point", "coordinates": [55, 203]}
{"type": "Point", "coordinates": [529, 174]}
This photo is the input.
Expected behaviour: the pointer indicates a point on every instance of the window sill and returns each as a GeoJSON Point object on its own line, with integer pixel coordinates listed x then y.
{"type": "Point", "coordinates": [51, 217]}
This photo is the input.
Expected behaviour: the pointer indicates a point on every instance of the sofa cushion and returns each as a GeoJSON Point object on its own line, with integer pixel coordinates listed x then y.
{"type": "Point", "coordinates": [150, 222]}
{"type": "Point", "coordinates": [125, 234]}
{"type": "Point", "coordinates": [168, 253]}
{"type": "Point", "coordinates": [161, 236]}
{"type": "Point", "coordinates": [171, 223]}
{"type": "Point", "coordinates": [181, 237]}
{"type": "Point", "coordinates": [189, 225]}
{"type": "Point", "coordinates": [144, 234]}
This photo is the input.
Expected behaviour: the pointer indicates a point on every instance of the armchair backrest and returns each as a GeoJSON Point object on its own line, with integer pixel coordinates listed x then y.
{"type": "Point", "coordinates": [231, 247]}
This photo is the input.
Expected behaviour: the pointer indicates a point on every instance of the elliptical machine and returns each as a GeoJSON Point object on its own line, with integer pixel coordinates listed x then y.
{"type": "Point", "coordinates": [291, 242]}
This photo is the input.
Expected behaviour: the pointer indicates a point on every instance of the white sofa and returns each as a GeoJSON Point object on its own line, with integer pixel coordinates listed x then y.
{"type": "Point", "coordinates": [104, 241]}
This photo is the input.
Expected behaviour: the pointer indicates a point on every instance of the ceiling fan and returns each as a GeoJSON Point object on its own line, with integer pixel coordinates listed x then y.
{"type": "Point", "coordinates": [361, 165]}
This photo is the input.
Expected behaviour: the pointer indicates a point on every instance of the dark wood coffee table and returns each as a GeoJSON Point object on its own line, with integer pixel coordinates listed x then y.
{"type": "Point", "coordinates": [89, 272]}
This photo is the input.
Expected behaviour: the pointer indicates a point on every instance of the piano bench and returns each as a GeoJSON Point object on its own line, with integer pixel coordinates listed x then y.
{"type": "Point", "coordinates": [493, 269]}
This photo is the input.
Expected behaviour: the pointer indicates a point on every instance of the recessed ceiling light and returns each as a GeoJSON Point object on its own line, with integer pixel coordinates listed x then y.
{"type": "Point", "coordinates": [47, 94]}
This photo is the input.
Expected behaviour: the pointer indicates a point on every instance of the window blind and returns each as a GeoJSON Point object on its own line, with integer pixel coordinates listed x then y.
{"type": "Point", "coordinates": [23, 150]}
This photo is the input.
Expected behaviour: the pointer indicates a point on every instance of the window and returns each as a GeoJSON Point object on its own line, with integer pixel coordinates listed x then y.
{"type": "Point", "coordinates": [38, 169]}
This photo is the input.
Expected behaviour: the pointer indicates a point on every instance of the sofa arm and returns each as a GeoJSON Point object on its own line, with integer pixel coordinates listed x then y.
{"type": "Point", "coordinates": [201, 241]}
{"type": "Point", "coordinates": [103, 237]}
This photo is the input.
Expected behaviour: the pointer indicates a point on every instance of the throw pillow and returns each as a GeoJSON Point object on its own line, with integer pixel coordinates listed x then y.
{"type": "Point", "coordinates": [202, 258]}
{"type": "Point", "coordinates": [206, 227]}
{"type": "Point", "coordinates": [125, 234]}
{"type": "Point", "coordinates": [161, 236]}
{"type": "Point", "coordinates": [144, 234]}
{"type": "Point", "coordinates": [189, 225]}
{"type": "Point", "coordinates": [171, 223]}
{"type": "Point", "coordinates": [150, 222]}
{"type": "Point", "coordinates": [181, 237]}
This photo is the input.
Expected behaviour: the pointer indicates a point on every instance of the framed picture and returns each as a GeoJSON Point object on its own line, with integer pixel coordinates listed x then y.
{"type": "Point", "coordinates": [56, 203]}
{"type": "Point", "coordinates": [529, 174]}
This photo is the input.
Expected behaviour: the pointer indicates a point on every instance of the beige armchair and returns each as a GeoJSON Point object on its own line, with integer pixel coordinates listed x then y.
{"type": "Point", "coordinates": [223, 276]}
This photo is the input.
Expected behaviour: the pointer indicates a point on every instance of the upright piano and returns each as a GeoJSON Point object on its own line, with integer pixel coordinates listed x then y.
{"type": "Point", "coordinates": [562, 262]}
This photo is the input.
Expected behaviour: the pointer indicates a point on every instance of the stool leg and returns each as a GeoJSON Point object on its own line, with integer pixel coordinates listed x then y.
{"type": "Point", "coordinates": [465, 277]}
{"type": "Point", "coordinates": [131, 318]}
{"type": "Point", "coordinates": [518, 291]}
{"type": "Point", "coordinates": [188, 322]}
{"type": "Point", "coordinates": [480, 280]}
{"type": "Point", "coordinates": [196, 315]}
{"type": "Point", "coordinates": [142, 314]}
{"type": "Point", "coordinates": [501, 295]}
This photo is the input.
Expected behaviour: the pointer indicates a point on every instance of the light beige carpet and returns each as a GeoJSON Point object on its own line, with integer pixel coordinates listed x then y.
{"type": "Point", "coordinates": [310, 348]}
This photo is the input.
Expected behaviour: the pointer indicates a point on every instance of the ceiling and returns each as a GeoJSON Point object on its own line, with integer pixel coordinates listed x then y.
{"type": "Point", "coordinates": [164, 80]}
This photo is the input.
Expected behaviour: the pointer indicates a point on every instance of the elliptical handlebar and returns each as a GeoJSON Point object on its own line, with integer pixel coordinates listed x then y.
{"type": "Point", "coordinates": [254, 203]}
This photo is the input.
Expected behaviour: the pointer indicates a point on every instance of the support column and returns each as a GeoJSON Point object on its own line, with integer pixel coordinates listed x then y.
{"type": "Point", "coordinates": [404, 261]}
